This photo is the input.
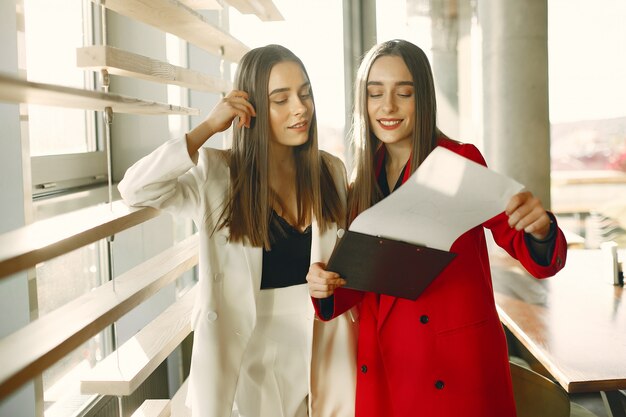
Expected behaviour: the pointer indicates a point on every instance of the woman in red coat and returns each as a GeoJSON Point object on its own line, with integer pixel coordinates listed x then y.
{"type": "Point", "coordinates": [444, 354]}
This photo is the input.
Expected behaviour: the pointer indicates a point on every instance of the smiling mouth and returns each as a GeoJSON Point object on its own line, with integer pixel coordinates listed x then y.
{"type": "Point", "coordinates": [389, 123]}
{"type": "Point", "coordinates": [299, 125]}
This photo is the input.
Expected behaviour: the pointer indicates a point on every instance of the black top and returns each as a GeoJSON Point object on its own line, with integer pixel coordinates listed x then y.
{"type": "Point", "coordinates": [287, 263]}
{"type": "Point", "coordinates": [382, 179]}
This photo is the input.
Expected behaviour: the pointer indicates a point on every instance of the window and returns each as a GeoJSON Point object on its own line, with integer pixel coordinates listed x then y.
{"type": "Point", "coordinates": [588, 117]}
{"type": "Point", "coordinates": [59, 281]}
{"type": "Point", "coordinates": [64, 143]}
{"type": "Point", "coordinates": [66, 154]}
{"type": "Point", "coordinates": [587, 86]}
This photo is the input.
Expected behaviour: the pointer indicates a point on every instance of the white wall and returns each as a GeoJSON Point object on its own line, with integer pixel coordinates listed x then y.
{"type": "Point", "coordinates": [209, 64]}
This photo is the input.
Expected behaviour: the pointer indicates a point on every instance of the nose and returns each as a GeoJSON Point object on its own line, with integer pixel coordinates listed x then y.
{"type": "Point", "coordinates": [299, 107]}
{"type": "Point", "coordinates": [389, 103]}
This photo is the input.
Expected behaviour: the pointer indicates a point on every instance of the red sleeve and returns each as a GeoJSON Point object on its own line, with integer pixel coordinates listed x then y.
{"type": "Point", "coordinates": [514, 243]}
{"type": "Point", "coordinates": [343, 300]}
{"type": "Point", "coordinates": [512, 240]}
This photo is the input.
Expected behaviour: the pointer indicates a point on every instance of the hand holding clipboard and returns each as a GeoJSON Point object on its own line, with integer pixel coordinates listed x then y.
{"type": "Point", "coordinates": [386, 266]}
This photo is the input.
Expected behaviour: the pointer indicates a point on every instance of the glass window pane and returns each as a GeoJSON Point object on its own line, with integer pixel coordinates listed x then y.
{"type": "Point", "coordinates": [51, 58]}
{"type": "Point", "coordinates": [587, 112]}
{"type": "Point", "coordinates": [61, 382]}
{"type": "Point", "coordinates": [66, 277]}
{"type": "Point", "coordinates": [588, 117]}
{"type": "Point", "coordinates": [57, 131]}
{"type": "Point", "coordinates": [59, 281]}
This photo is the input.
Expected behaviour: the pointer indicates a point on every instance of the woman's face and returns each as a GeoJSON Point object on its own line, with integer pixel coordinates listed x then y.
{"type": "Point", "coordinates": [290, 104]}
{"type": "Point", "coordinates": [391, 100]}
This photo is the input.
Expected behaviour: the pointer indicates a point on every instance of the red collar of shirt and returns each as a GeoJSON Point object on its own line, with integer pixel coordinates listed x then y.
{"type": "Point", "coordinates": [379, 160]}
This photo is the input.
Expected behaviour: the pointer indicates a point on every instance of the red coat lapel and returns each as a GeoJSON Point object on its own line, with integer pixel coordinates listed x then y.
{"type": "Point", "coordinates": [386, 302]}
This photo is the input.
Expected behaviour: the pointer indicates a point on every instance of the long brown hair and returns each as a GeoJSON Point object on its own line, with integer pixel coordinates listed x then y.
{"type": "Point", "coordinates": [249, 205]}
{"type": "Point", "coordinates": [365, 191]}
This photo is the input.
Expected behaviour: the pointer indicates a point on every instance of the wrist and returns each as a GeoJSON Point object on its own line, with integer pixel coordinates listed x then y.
{"type": "Point", "coordinates": [197, 136]}
{"type": "Point", "coordinates": [207, 130]}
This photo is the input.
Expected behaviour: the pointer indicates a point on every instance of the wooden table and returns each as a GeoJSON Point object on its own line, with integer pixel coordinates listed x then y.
{"type": "Point", "coordinates": [573, 323]}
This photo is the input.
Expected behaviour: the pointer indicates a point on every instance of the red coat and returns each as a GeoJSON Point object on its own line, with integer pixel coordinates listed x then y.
{"type": "Point", "coordinates": [445, 354]}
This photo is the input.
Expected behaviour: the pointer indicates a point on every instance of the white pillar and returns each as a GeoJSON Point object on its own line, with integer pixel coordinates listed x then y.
{"type": "Point", "coordinates": [469, 78]}
{"type": "Point", "coordinates": [444, 34]}
{"type": "Point", "coordinates": [516, 124]}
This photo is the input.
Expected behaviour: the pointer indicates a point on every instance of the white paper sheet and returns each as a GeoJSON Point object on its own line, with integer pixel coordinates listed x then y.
{"type": "Point", "coordinates": [445, 197]}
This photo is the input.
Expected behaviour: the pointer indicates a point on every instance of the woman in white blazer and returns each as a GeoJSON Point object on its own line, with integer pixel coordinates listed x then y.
{"type": "Point", "coordinates": [265, 209]}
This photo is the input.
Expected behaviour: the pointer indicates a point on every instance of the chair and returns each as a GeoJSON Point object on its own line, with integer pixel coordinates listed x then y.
{"type": "Point", "coordinates": [524, 378]}
{"type": "Point", "coordinates": [578, 410]}
{"type": "Point", "coordinates": [536, 395]}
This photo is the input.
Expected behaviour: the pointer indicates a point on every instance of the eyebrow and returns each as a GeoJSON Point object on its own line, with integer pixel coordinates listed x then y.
{"type": "Point", "coordinates": [410, 83]}
{"type": "Point", "coordinates": [282, 90]}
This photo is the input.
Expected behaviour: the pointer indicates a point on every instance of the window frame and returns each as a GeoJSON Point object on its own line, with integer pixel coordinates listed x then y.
{"type": "Point", "coordinates": [66, 173]}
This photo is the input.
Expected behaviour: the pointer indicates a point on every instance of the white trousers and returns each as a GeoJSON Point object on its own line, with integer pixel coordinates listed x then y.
{"type": "Point", "coordinates": [273, 381]}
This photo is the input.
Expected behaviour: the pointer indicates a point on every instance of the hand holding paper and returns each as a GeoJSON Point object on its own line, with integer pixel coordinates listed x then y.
{"type": "Point", "coordinates": [400, 245]}
{"type": "Point", "coordinates": [445, 197]}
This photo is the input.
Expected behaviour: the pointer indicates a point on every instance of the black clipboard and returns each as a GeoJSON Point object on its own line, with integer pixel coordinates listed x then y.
{"type": "Point", "coordinates": [386, 266]}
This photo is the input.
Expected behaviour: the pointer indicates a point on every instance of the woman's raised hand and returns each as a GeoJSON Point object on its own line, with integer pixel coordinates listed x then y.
{"type": "Point", "coordinates": [322, 283]}
{"type": "Point", "coordinates": [234, 104]}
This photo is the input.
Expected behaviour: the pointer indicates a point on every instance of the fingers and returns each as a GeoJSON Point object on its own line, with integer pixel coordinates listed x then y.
{"type": "Point", "coordinates": [530, 221]}
{"type": "Point", "coordinates": [322, 283]}
{"type": "Point", "coordinates": [518, 208]}
{"type": "Point", "coordinates": [540, 228]}
{"type": "Point", "coordinates": [234, 104]}
{"type": "Point", "coordinates": [516, 201]}
{"type": "Point", "coordinates": [526, 213]}
{"type": "Point", "coordinates": [238, 102]}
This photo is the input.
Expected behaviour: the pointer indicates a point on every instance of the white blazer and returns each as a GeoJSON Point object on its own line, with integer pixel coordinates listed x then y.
{"type": "Point", "coordinates": [224, 315]}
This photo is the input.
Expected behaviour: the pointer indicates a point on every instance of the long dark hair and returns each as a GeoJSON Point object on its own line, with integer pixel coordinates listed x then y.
{"type": "Point", "coordinates": [248, 209]}
{"type": "Point", "coordinates": [365, 191]}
